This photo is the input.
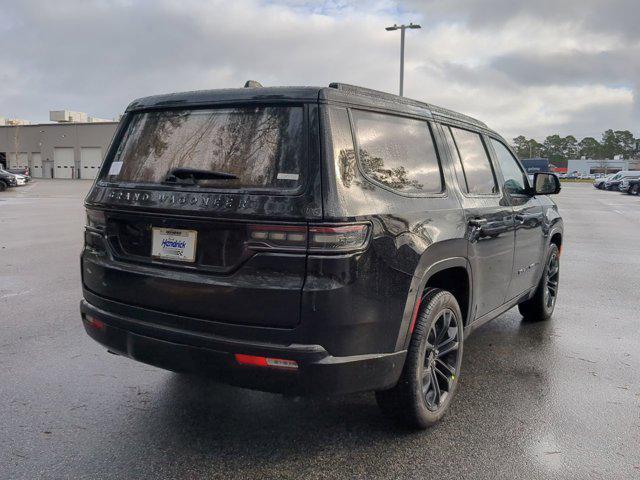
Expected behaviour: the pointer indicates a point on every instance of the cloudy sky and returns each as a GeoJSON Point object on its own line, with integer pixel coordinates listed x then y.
{"type": "Point", "coordinates": [532, 67]}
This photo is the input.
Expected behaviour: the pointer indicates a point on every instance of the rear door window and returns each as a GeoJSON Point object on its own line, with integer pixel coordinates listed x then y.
{"type": "Point", "coordinates": [476, 166]}
{"type": "Point", "coordinates": [397, 152]}
{"type": "Point", "coordinates": [264, 147]}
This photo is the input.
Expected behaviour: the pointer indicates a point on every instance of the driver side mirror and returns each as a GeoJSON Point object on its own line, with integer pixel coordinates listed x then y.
{"type": "Point", "coordinates": [546, 184]}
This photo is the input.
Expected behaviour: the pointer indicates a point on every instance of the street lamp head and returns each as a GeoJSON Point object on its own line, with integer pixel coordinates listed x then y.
{"type": "Point", "coordinates": [402, 27]}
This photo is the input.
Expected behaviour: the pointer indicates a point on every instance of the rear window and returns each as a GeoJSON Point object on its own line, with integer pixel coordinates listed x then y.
{"type": "Point", "coordinates": [262, 146]}
{"type": "Point", "coordinates": [398, 152]}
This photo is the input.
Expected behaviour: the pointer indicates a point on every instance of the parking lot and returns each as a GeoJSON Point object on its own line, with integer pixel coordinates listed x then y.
{"type": "Point", "coordinates": [553, 400]}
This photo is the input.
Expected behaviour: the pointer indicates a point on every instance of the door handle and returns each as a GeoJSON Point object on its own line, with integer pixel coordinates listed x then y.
{"type": "Point", "coordinates": [477, 222]}
{"type": "Point", "coordinates": [475, 232]}
{"type": "Point", "coordinates": [522, 218]}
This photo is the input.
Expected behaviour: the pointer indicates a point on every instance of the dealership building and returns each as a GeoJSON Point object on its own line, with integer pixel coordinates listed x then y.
{"type": "Point", "coordinates": [590, 166]}
{"type": "Point", "coordinates": [73, 146]}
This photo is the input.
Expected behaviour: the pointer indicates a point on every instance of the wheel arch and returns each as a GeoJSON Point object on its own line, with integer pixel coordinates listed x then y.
{"type": "Point", "coordinates": [556, 234]}
{"type": "Point", "coordinates": [452, 274]}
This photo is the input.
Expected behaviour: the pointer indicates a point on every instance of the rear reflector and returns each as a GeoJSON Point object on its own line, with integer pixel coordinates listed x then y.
{"type": "Point", "coordinates": [414, 317]}
{"type": "Point", "coordinates": [256, 361]}
{"type": "Point", "coordinates": [94, 322]}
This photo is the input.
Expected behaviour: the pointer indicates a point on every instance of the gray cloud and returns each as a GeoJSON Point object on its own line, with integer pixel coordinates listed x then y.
{"type": "Point", "coordinates": [576, 68]}
{"type": "Point", "coordinates": [619, 17]}
{"type": "Point", "coordinates": [524, 67]}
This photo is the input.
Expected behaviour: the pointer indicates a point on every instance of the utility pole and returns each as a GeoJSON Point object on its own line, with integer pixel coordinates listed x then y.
{"type": "Point", "coordinates": [402, 28]}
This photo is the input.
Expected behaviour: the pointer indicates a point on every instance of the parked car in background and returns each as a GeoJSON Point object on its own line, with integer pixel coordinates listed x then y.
{"type": "Point", "coordinates": [614, 182]}
{"type": "Point", "coordinates": [600, 181]}
{"type": "Point", "coordinates": [7, 180]}
{"type": "Point", "coordinates": [624, 185]}
{"type": "Point", "coordinates": [20, 171]}
{"type": "Point", "coordinates": [278, 256]}
{"type": "Point", "coordinates": [632, 187]}
{"type": "Point", "coordinates": [20, 179]}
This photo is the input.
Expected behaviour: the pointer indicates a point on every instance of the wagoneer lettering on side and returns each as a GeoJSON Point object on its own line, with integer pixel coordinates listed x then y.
{"type": "Point", "coordinates": [313, 240]}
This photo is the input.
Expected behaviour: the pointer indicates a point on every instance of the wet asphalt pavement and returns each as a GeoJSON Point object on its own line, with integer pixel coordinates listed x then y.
{"type": "Point", "coordinates": [555, 400]}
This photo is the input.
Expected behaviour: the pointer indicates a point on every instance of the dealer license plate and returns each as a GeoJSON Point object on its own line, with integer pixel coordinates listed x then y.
{"type": "Point", "coordinates": [172, 244]}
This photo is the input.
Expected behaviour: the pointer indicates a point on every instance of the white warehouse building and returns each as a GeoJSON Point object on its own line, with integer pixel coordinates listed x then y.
{"type": "Point", "coordinates": [590, 166]}
{"type": "Point", "coordinates": [74, 147]}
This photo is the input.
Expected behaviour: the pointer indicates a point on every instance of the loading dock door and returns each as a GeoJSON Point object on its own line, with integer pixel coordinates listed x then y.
{"type": "Point", "coordinates": [36, 165]}
{"type": "Point", "coordinates": [90, 160]}
{"type": "Point", "coordinates": [19, 161]}
{"type": "Point", "coordinates": [63, 162]}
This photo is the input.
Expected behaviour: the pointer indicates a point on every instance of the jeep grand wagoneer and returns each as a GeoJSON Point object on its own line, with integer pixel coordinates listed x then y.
{"type": "Point", "coordinates": [306, 239]}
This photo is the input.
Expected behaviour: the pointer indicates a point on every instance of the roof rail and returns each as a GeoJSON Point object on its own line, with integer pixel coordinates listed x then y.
{"type": "Point", "coordinates": [443, 112]}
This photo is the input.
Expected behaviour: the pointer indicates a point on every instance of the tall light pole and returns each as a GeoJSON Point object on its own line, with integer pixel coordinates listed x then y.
{"type": "Point", "coordinates": [402, 28]}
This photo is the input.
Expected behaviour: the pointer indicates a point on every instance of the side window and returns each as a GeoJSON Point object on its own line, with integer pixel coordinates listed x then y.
{"type": "Point", "coordinates": [397, 152]}
{"type": "Point", "coordinates": [515, 180]}
{"type": "Point", "coordinates": [476, 166]}
{"type": "Point", "coordinates": [344, 154]}
{"type": "Point", "coordinates": [456, 158]}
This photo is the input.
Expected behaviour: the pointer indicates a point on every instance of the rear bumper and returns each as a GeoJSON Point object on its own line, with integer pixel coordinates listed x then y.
{"type": "Point", "coordinates": [195, 352]}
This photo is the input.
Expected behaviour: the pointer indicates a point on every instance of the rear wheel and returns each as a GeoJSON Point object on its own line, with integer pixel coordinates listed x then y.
{"type": "Point", "coordinates": [3, 186]}
{"type": "Point", "coordinates": [431, 372]}
{"type": "Point", "coordinates": [540, 307]}
{"type": "Point", "coordinates": [635, 190]}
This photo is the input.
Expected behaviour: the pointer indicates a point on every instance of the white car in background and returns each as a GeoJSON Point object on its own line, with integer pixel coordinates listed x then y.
{"type": "Point", "coordinates": [21, 179]}
{"type": "Point", "coordinates": [599, 182]}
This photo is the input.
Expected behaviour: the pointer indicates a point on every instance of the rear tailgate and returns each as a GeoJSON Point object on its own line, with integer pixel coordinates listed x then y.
{"type": "Point", "coordinates": [227, 278]}
{"type": "Point", "coordinates": [227, 282]}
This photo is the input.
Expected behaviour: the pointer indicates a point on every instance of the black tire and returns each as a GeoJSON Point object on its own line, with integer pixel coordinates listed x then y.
{"type": "Point", "coordinates": [416, 401]}
{"type": "Point", "coordinates": [540, 307]}
{"type": "Point", "coordinates": [3, 186]}
{"type": "Point", "coordinates": [635, 190]}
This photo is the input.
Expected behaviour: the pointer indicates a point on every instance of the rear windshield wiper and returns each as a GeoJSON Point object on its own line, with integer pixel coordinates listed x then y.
{"type": "Point", "coordinates": [190, 176]}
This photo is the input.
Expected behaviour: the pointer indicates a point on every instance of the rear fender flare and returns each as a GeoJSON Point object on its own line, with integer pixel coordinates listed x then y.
{"type": "Point", "coordinates": [417, 288]}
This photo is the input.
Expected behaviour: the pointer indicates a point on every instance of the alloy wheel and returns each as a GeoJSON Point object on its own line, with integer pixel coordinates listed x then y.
{"type": "Point", "coordinates": [551, 287]}
{"type": "Point", "coordinates": [439, 372]}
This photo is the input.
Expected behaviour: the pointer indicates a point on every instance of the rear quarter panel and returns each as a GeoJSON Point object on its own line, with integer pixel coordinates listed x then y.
{"type": "Point", "coordinates": [378, 287]}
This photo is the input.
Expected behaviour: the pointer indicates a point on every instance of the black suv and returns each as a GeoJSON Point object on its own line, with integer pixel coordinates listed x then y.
{"type": "Point", "coordinates": [7, 180]}
{"type": "Point", "coordinates": [305, 240]}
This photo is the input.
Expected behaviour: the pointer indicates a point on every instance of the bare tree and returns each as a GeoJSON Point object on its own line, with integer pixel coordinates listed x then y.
{"type": "Point", "coordinates": [16, 142]}
{"type": "Point", "coordinates": [603, 165]}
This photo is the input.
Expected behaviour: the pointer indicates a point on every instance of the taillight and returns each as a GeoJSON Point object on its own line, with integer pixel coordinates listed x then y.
{"type": "Point", "coordinates": [96, 219]}
{"type": "Point", "coordinates": [288, 237]}
{"type": "Point", "coordinates": [338, 238]}
{"type": "Point", "coordinates": [313, 238]}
